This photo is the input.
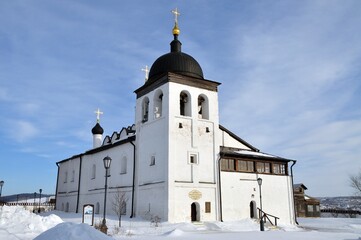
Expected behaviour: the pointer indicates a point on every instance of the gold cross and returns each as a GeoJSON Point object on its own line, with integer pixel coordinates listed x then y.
{"type": "Point", "coordinates": [176, 14]}
{"type": "Point", "coordinates": [98, 112]}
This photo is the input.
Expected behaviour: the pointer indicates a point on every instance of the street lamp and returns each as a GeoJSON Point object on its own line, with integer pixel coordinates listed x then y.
{"type": "Point", "coordinates": [40, 190]}
{"type": "Point", "coordinates": [34, 202]}
{"type": "Point", "coordinates": [259, 181]}
{"type": "Point", "coordinates": [107, 160]}
{"type": "Point", "coordinates": [1, 186]}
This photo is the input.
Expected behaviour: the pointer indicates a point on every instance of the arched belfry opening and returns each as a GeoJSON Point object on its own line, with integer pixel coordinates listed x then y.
{"type": "Point", "coordinates": [203, 107]}
{"type": "Point", "coordinates": [195, 212]}
{"type": "Point", "coordinates": [185, 104]}
{"type": "Point", "coordinates": [158, 104]}
{"type": "Point", "coordinates": [145, 109]}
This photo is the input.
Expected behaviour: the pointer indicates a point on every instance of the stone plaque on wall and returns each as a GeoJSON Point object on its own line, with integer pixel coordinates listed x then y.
{"type": "Point", "coordinates": [195, 195]}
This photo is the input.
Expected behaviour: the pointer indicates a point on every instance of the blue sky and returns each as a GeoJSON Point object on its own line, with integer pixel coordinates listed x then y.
{"type": "Point", "coordinates": [290, 74]}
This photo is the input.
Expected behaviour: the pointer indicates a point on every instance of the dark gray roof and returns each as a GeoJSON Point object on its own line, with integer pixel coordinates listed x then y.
{"type": "Point", "coordinates": [298, 185]}
{"type": "Point", "coordinates": [177, 62]}
{"type": "Point", "coordinates": [97, 129]}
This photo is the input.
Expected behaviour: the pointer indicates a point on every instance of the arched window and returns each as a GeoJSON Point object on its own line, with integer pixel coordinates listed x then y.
{"type": "Point", "coordinates": [253, 209]}
{"type": "Point", "coordinates": [185, 104]}
{"type": "Point", "coordinates": [123, 209]}
{"type": "Point", "coordinates": [97, 208]}
{"type": "Point", "coordinates": [123, 165]}
{"type": "Point", "coordinates": [145, 109]}
{"type": "Point", "coordinates": [67, 207]}
{"type": "Point", "coordinates": [158, 104]}
{"type": "Point", "coordinates": [73, 175]}
{"type": "Point", "coordinates": [66, 177]}
{"type": "Point", "coordinates": [93, 171]}
{"type": "Point", "coordinates": [203, 108]}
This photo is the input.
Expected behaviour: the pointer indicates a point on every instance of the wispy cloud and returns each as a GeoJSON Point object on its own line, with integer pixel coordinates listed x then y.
{"type": "Point", "coordinates": [21, 131]}
{"type": "Point", "coordinates": [296, 88]}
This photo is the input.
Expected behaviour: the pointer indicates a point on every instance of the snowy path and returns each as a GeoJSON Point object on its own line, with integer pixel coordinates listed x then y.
{"type": "Point", "coordinates": [19, 224]}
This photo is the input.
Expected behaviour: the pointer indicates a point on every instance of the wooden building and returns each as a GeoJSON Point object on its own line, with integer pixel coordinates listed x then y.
{"type": "Point", "coordinates": [305, 205]}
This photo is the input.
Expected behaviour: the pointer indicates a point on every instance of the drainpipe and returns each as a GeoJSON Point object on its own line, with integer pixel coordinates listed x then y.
{"type": "Point", "coordinates": [293, 193]}
{"type": "Point", "coordinates": [133, 186]}
{"type": "Point", "coordinates": [219, 188]}
{"type": "Point", "coordinates": [78, 195]}
{"type": "Point", "coordinates": [57, 183]}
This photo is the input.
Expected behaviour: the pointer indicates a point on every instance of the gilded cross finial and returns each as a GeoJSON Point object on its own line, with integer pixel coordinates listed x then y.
{"type": "Point", "coordinates": [176, 30]}
{"type": "Point", "coordinates": [98, 113]}
{"type": "Point", "coordinates": [146, 70]}
{"type": "Point", "coordinates": [176, 14]}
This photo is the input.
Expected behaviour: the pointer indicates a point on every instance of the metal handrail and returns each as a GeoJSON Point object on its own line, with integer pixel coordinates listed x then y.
{"type": "Point", "coordinates": [265, 216]}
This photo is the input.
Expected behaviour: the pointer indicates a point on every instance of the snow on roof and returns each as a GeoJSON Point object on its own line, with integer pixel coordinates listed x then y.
{"type": "Point", "coordinates": [252, 154]}
{"type": "Point", "coordinates": [247, 152]}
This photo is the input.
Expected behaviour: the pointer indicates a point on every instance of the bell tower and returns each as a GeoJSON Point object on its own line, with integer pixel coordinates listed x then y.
{"type": "Point", "coordinates": [177, 125]}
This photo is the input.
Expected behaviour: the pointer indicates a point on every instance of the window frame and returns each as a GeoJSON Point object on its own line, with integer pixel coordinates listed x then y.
{"type": "Point", "coordinates": [194, 156]}
{"type": "Point", "coordinates": [93, 172]}
{"type": "Point", "coordinates": [152, 160]}
{"type": "Point", "coordinates": [247, 165]}
{"type": "Point", "coordinates": [207, 207]}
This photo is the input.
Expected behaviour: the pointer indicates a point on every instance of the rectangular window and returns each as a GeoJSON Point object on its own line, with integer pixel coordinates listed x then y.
{"type": "Point", "coordinates": [123, 209]}
{"type": "Point", "coordinates": [279, 168]}
{"type": "Point", "coordinates": [250, 166]}
{"type": "Point", "coordinates": [260, 167]}
{"type": "Point", "coordinates": [93, 171]}
{"type": "Point", "coordinates": [309, 208]}
{"type": "Point", "coordinates": [208, 207]}
{"type": "Point", "coordinates": [228, 165]}
{"type": "Point", "coordinates": [224, 164]}
{"type": "Point", "coordinates": [73, 176]}
{"type": "Point", "coordinates": [267, 167]}
{"type": "Point", "coordinates": [66, 177]}
{"type": "Point", "coordinates": [263, 167]}
{"type": "Point", "coordinates": [245, 166]}
{"type": "Point", "coordinates": [193, 158]}
{"type": "Point", "coordinates": [152, 161]}
{"type": "Point", "coordinates": [276, 168]}
{"type": "Point", "coordinates": [283, 169]}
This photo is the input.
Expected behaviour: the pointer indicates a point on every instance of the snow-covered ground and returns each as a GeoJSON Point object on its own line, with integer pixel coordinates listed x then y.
{"type": "Point", "coordinates": [18, 223]}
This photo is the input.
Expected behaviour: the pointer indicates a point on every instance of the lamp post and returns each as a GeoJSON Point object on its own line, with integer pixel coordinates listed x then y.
{"type": "Point", "coordinates": [259, 181]}
{"type": "Point", "coordinates": [34, 202]}
{"type": "Point", "coordinates": [1, 186]}
{"type": "Point", "coordinates": [40, 190]}
{"type": "Point", "coordinates": [107, 160]}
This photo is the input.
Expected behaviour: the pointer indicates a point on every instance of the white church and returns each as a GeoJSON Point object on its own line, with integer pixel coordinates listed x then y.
{"type": "Point", "coordinates": [176, 161]}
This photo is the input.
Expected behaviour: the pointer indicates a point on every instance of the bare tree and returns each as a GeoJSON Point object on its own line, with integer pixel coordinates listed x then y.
{"type": "Point", "coordinates": [355, 182]}
{"type": "Point", "coordinates": [119, 204]}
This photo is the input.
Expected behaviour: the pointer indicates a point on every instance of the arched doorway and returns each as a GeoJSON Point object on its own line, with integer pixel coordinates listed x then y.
{"type": "Point", "coordinates": [253, 209]}
{"type": "Point", "coordinates": [195, 212]}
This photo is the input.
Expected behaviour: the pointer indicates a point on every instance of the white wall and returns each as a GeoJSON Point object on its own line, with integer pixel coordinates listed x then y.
{"type": "Point", "coordinates": [229, 141]}
{"type": "Point", "coordinates": [192, 138]}
{"type": "Point", "coordinates": [239, 189]}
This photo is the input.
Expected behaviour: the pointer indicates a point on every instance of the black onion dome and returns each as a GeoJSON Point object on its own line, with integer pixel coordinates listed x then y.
{"type": "Point", "coordinates": [176, 62]}
{"type": "Point", "coordinates": [97, 129]}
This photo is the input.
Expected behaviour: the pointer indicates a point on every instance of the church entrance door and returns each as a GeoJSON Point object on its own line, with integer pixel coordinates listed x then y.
{"type": "Point", "coordinates": [195, 212]}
